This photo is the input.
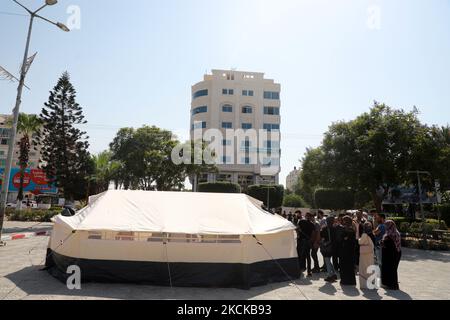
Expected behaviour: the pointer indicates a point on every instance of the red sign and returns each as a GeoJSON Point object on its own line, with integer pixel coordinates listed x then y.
{"type": "Point", "coordinates": [39, 177]}
{"type": "Point", "coordinates": [26, 180]}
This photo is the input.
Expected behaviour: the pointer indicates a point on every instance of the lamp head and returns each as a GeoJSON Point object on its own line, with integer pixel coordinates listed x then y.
{"type": "Point", "coordinates": [62, 26]}
{"type": "Point", "coordinates": [51, 2]}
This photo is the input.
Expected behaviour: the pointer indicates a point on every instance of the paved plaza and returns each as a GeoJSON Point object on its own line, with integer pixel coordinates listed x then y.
{"type": "Point", "coordinates": [423, 275]}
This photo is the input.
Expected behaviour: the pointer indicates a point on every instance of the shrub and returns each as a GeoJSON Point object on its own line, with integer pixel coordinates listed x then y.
{"type": "Point", "coordinates": [276, 193]}
{"type": "Point", "coordinates": [32, 215]}
{"type": "Point", "coordinates": [404, 227]}
{"type": "Point", "coordinates": [219, 187]}
{"type": "Point", "coordinates": [334, 199]}
{"type": "Point", "coordinates": [294, 201]}
{"type": "Point", "coordinates": [444, 209]}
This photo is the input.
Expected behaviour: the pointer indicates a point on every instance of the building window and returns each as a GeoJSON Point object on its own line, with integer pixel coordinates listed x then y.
{"type": "Point", "coordinates": [248, 93]}
{"type": "Point", "coordinates": [246, 144]}
{"type": "Point", "coordinates": [245, 160]}
{"type": "Point", "coordinates": [226, 159]}
{"type": "Point", "coordinates": [228, 92]}
{"type": "Point", "coordinates": [227, 125]}
{"type": "Point", "coordinates": [271, 95]}
{"type": "Point", "coordinates": [271, 127]}
{"type": "Point", "coordinates": [226, 142]}
{"type": "Point", "coordinates": [272, 145]}
{"type": "Point", "coordinates": [247, 126]}
{"type": "Point", "coordinates": [4, 142]}
{"type": "Point", "coordinates": [267, 162]}
{"type": "Point", "coordinates": [5, 132]}
{"type": "Point", "coordinates": [227, 108]}
{"type": "Point", "coordinates": [229, 76]}
{"type": "Point", "coordinates": [199, 125]}
{"type": "Point", "coordinates": [247, 110]}
{"type": "Point", "coordinates": [200, 93]}
{"type": "Point", "coordinates": [272, 111]}
{"type": "Point", "coordinates": [198, 110]}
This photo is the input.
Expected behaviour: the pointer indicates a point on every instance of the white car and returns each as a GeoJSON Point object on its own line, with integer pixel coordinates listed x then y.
{"type": "Point", "coordinates": [25, 204]}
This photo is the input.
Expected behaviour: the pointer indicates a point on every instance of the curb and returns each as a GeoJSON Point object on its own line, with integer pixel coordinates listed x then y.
{"type": "Point", "coordinates": [27, 235]}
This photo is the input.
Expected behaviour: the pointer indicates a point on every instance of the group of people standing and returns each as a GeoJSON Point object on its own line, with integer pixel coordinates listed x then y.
{"type": "Point", "coordinates": [350, 244]}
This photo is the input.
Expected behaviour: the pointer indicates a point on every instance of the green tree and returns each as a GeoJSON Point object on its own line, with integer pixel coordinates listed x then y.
{"type": "Point", "coordinates": [376, 149]}
{"type": "Point", "coordinates": [27, 126]}
{"type": "Point", "coordinates": [294, 201]}
{"type": "Point", "coordinates": [334, 199]}
{"type": "Point", "coordinates": [145, 160]}
{"type": "Point", "coordinates": [105, 171]}
{"type": "Point", "coordinates": [64, 151]}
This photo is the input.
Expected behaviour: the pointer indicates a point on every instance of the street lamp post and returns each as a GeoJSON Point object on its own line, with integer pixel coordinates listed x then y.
{"type": "Point", "coordinates": [419, 186]}
{"type": "Point", "coordinates": [16, 111]}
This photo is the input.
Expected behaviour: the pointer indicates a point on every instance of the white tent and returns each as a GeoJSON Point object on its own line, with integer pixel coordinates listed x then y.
{"type": "Point", "coordinates": [178, 238]}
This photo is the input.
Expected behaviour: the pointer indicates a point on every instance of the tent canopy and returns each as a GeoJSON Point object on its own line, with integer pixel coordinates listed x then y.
{"type": "Point", "coordinates": [176, 212]}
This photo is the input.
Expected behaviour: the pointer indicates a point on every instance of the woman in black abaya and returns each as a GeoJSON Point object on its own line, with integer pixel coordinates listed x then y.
{"type": "Point", "coordinates": [391, 252]}
{"type": "Point", "coordinates": [347, 256]}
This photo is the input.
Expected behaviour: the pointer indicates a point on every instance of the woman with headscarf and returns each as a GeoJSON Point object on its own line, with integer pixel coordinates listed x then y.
{"type": "Point", "coordinates": [391, 253]}
{"type": "Point", "coordinates": [347, 256]}
{"type": "Point", "coordinates": [366, 255]}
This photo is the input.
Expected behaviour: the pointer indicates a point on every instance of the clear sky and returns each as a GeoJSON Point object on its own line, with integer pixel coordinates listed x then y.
{"type": "Point", "coordinates": [133, 62]}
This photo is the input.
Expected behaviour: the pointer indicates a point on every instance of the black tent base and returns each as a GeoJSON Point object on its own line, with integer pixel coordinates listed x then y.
{"type": "Point", "coordinates": [215, 275]}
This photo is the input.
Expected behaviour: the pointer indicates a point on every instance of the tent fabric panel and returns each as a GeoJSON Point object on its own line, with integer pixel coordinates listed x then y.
{"type": "Point", "coordinates": [278, 246]}
{"type": "Point", "coordinates": [175, 212]}
{"type": "Point", "coordinates": [182, 274]}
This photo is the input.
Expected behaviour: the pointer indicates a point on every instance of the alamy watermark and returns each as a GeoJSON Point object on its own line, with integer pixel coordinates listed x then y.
{"type": "Point", "coordinates": [74, 280]}
{"type": "Point", "coordinates": [74, 19]}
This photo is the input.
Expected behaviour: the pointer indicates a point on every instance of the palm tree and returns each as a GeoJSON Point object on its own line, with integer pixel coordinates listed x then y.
{"type": "Point", "coordinates": [105, 170]}
{"type": "Point", "coordinates": [27, 126]}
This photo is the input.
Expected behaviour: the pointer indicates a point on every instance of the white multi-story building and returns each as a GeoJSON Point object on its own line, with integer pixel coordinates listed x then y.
{"type": "Point", "coordinates": [5, 133]}
{"type": "Point", "coordinates": [292, 179]}
{"type": "Point", "coordinates": [245, 108]}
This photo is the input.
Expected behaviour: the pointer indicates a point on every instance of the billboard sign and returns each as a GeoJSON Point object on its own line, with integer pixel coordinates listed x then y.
{"type": "Point", "coordinates": [35, 181]}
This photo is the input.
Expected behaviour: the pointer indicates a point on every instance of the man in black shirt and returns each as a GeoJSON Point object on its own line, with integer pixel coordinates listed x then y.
{"type": "Point", "coordinates": [305, 232]}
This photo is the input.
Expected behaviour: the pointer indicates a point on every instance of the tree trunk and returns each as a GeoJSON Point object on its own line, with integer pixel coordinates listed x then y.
{"type": "Point", "coordinates": [377, 201]}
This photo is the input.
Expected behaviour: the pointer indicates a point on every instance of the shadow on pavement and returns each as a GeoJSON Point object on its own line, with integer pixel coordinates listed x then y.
{"type": "Point", "coordinates": [33, 281]}
{"type": "Point", "coordinates": [328, 289]}
{"type": "Point", "coordinates": [399, 295]}
{"type": "Point", "coordinates": [421, 255]}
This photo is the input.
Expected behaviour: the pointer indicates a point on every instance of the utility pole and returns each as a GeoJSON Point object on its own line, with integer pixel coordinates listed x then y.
{"type": "Point", "coordinates": [419, 186]}
{"type": "Point", "coordinates": [23, 72]}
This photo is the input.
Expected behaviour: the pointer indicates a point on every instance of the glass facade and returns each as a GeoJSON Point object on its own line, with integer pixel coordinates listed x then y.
{"type": "Point", "coordinates": [227, 108]}
{"type": "Point", "coordinates": [247, 110]}
{"type": "Point", "coordinates": [271, 95]}
{"type": "Point", "coordinates": [271, 127]}
{"type": "Point", "coordinates": [199, 125]}
{"type": "Point", "coordinates": [200, 93]}
{"type": "Point", "coordinates": [227, 125]}
{"type": "Point", "coordinates": [273, 111]}
{"type": "Point", "coordinates": [198, 110]}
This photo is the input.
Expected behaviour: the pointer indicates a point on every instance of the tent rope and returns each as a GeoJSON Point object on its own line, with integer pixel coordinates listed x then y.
{"type": "Point", "coordinates": [281, 267]}
{"type": "Point", "coordinates": [168, 264]}
{"type": "Point", "coordinates": [62, 242]}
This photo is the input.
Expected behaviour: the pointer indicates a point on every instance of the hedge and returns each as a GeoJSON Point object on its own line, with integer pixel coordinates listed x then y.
{"type": "Point", "coordinates": [276, 194]}
{"type": "Point", "coordinates": [219, 187]}
{"type": "Point", "coordinates": [334, 199]}
{"type": "Point", "coordinates": [32, 215]}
